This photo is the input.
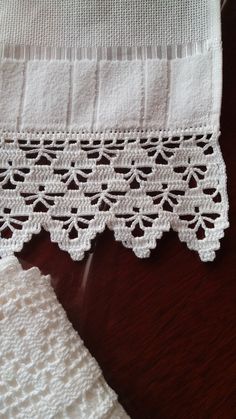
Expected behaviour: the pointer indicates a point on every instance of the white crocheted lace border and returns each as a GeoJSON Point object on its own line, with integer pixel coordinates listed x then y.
{"type": "Point", "coordinates": [139, 184]}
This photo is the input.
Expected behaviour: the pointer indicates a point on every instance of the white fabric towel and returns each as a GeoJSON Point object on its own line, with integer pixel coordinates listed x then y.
{"type": "Point", "coordinates": [109, 117]}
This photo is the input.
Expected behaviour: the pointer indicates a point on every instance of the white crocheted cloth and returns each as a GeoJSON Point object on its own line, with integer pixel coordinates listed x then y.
{"type": "Point", "coordinates": [109, 116]}
{"type": "Point", "coordinates": [45, 370]}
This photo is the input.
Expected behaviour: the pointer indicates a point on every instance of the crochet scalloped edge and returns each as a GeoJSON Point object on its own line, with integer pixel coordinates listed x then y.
{"type": "Point", "coordinates": [202, 206]}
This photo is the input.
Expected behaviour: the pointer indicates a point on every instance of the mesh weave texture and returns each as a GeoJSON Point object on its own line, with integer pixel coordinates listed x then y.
{"type": "Point", "coordinates": [104, 23]}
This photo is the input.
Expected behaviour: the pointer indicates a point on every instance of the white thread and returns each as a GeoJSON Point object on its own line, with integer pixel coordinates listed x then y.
{"type": "Point", "coordinates": [45, 370]}
{"type": "Point", "coordinates": [148, 184]}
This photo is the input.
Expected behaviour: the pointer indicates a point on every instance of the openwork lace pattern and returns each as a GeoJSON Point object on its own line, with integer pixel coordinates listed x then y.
{"type": "Point", "coordinates": [138, 184]}
{"type": "Point", "coordinates": [45, 370]}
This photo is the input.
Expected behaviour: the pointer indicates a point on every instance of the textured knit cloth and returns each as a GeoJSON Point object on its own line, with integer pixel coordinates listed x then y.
{"type": "Point", "coordinates": [45, 370]}
{"type": "Point", "coordinates": [109, 117]}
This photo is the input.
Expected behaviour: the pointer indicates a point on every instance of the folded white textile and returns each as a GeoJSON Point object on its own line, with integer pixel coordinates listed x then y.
{"type": "Point", "coordinates": [45, 370]}
{"type": "Point", "coordinates": [109, 117]}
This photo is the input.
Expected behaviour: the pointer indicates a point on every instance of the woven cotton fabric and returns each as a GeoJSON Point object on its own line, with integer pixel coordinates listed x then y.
{"type": "Point", "coordinates": [103, 22]}
{"type": "Point", "coordinates": [45, 369]}
{"type": "Point", "coordinates": [109, 117]}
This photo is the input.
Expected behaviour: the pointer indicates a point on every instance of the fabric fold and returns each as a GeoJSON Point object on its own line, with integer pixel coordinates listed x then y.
{"type": "Point", "coordinates": [45, 369]}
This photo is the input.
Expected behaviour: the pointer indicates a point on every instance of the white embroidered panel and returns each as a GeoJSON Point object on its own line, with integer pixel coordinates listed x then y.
{"type": "Point", "coordinates": [129, 142]}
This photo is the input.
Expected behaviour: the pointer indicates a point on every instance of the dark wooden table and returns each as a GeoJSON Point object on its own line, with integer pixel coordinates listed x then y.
{"type": "Point", "coordinates": [162, 329]}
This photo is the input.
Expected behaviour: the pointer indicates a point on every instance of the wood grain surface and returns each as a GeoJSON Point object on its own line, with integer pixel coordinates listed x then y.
{"type": "Point", "coordinates": [163, 329]}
